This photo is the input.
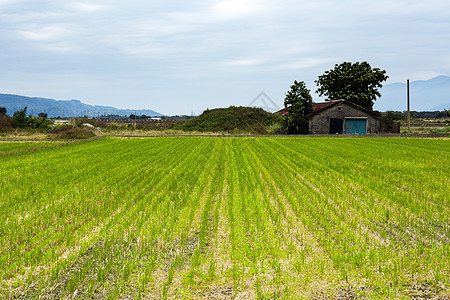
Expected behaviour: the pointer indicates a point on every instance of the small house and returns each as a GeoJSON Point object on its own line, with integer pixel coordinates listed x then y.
{"type": "Point", "coordinates": [344, 117]}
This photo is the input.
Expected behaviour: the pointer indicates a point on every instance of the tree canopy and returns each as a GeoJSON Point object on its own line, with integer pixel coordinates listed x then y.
{"type": "Point", "coordinates": [354, 82]}
{"type": "Point", "coordinates": [298, 100]}
{"type": "Point", "coordinates": [20, 118]}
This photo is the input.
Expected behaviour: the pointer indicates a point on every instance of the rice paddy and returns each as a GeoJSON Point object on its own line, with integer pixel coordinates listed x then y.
{"type": "Point", "coordinates": [225, 218]}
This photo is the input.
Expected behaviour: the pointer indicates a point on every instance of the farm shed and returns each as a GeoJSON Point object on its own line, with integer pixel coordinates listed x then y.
{"type": "Point", "coordinates": [344, 117]}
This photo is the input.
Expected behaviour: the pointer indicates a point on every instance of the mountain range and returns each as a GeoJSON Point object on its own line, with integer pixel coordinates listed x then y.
{"type": "Point", "coordinates": [64, 108]}
{"type": "Point", "coordinates": [425, 95]}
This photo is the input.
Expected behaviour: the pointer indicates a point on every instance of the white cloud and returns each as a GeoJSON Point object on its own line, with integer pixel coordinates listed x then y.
{"type": "Point", "coordinates": [226, 9]}
{"type": "Point", "coordinates": [244, 62]}
{"type": "Point", "coordinates": [305, 63]}
{"type": "Point", "coordinates": [87, 7]}
{"type": "Point", "coordinates": [46, 33]}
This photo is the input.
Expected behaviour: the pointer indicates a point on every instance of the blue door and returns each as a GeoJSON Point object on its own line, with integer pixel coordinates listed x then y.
{"type": "Point", "coordinates": [355, 126]}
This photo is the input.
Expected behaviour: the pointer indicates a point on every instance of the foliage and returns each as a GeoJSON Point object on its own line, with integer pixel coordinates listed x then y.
{"type": "Point", "coordinates": [43, 115]}
{"type": "Point", "coordinates": [427, 114]}
{"type": "Point", "coordinates": [299, 102]}
{"type": "Point", "coordinates": [2, 110]}
{"type": "Point", "coordinates": [393, 116]}
{"type": "Point", "coordinates": [72, 133]}
{"type": "Point", "coordinates": [6, 123]}
{"type": "Point", "coordinates": [20, 119]}
{"type": "Point", "coordinates": [276, 128]}
{"type": "Point", "coordinates": [151, 126]}
{"type": "Point", "coordinates": [354, 82]}
{"type": "Point", "coordinates": [232, 120]}
{"type": "Point", "coordinates": [139, 117]}
{"type": "Point", "coordinates": [39, 123]}
{"type": "Point", "coordinates": [445, 129]}
{"type": "Point", "coordinates": [446, 113]}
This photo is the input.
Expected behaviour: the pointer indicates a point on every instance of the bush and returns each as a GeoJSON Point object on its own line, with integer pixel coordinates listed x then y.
{"type": "Point", "coordinates": [20, 119]}
{"type": "Point", "coordinates": [275, 128]}
{"type": "Point", "coordinates": [6, 123]}
{"type": "Point", "coordinates": [71, 133]}
{"type": "Point", "coordinates": [39, 123]}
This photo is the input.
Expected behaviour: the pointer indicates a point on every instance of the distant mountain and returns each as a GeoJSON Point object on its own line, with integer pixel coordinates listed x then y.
{"type": "Point", "coordinates": [425, 95]}
{"type": "Point", "coordinates": [66, 108]}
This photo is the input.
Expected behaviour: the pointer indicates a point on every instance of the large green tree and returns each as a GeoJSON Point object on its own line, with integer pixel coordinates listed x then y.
{"type": "Point", "coordinates": [298, 101]}
{"type": "Point", "coordinates": [354, 82]}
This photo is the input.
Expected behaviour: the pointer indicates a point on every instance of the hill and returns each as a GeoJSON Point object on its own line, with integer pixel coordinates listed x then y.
{"type": "Point", "coordinates": [233, 120]}
{"type": "Point", "coordinates": [426, 95]}
{"type": "Point", "coordinates": [64, 108]}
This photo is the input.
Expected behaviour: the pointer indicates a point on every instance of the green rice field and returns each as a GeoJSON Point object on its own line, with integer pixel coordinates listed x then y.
{"type": "Point", "coordinates": [225, 218]}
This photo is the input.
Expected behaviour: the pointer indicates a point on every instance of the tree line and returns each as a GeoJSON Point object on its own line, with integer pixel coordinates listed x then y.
{"type": "Point", "coordinates": [21, 120]}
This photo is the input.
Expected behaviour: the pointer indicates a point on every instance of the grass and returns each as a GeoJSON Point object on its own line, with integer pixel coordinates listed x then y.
{"type": "Point", "coordinates": [233, 120]}
{"type": "Point", "coordinates": [208, 217]}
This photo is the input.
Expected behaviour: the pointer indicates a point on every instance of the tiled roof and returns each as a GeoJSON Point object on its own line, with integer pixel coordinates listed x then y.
{"type": "Point", "coordinates": [282, 112]}
{"type": "Point", "coordinates": [325, 105]}
{"type": "Point", "coordinates": [321, 106]}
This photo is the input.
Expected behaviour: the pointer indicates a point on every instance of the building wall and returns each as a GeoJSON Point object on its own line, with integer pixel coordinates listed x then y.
{"type": "Point", "coordinates": [320, 123]}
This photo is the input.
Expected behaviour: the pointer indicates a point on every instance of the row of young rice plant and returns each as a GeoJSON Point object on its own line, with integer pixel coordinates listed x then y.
{"type": "Point", "coordinates": [364, 226]}
{"type": "Point", "coordinates": [208, 217]}
{"type": "Point", "coordinates": [7, 147]}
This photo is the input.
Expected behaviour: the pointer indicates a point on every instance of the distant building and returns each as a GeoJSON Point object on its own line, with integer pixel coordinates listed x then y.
{"type": "Point", "coordinates": [344, 117]}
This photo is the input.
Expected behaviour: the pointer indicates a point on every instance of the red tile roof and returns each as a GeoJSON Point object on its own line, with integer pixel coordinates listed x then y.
{"type": "Point", "coordinates": [322, 105]}
{"type": "Point", "coordinates": [282, 112]}
{"type": "Point", "coordinates": [316, 106]}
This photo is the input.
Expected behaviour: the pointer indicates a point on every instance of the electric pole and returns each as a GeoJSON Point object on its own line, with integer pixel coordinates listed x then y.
{"type": "Point", "coordinates": [409, 110]}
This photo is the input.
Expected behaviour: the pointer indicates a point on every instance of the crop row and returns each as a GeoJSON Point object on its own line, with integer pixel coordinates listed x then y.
{"type": "Point", "coordinates": [205, 217]}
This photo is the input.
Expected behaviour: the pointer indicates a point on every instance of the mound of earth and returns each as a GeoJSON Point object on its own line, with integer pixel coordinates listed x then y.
{"type": "Point", "coordinates": [234, 119]}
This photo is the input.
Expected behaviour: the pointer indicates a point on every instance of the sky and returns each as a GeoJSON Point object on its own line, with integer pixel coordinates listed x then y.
{"type": "Point", "coordinates": [182, 57]}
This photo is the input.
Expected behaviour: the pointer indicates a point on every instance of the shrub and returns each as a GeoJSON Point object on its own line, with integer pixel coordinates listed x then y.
{"type": "Point", "coordinates": [39, 123]}
{"type": "Point", "coordinates": [6, 123]}
{"type": "Point", "coordinates": [72, 133]}
{"type": "Point", "coordinates": [275, 128]}
{"type": "Point", "coordinates": [20, 119]}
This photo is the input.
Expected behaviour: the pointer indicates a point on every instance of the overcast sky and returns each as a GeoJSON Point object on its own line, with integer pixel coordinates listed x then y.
{"type": "Point", "coordinates": [181, 57]}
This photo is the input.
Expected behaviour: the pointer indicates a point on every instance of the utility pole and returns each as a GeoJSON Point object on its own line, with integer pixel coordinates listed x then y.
{"type": "Point", "coordinates": [409, 110]}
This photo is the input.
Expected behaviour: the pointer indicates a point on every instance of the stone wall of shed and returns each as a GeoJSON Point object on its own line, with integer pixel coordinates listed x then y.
{"type": "Point", "coordinates": [320, 122]}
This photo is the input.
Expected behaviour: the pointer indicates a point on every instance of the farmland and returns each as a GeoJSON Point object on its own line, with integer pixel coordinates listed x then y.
{"type": "Point", "coordinates": [223, 218]}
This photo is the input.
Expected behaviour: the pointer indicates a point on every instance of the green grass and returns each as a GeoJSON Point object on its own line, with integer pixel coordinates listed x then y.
{"type": "Point", "coordinates": [8, 147]}
{"type": "Point", "coordinates": [209, 217]}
